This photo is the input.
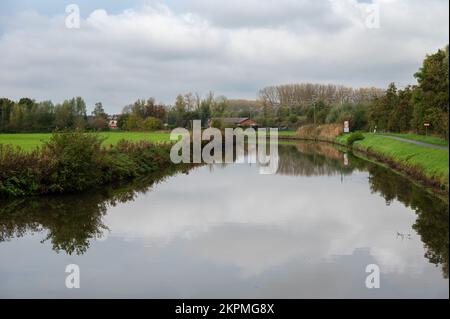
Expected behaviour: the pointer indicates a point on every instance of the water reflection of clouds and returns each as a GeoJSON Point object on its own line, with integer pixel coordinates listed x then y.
{"type": "Point", "coordinates": [234, 216]}
{"type": "Point", "coordinates": [228, 231]}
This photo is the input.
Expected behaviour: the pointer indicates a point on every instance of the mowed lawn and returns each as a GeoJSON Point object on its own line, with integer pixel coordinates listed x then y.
{"type": "Point", "coordinates": [30, 141]}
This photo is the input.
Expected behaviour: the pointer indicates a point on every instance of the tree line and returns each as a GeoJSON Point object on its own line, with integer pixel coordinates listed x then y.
{"type": "Point", "coordinates": [27, 115]}
{"type": "Point", "coordinates": [284, 106]}
{"type": "Point", "coordinates": [418, 107]}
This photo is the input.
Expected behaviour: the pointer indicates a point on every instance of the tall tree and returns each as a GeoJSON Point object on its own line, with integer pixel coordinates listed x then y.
{"type": "Point", "coordinates": [99, 111]}
{"type": "Point", "coordinates": [431, 96]}
{"type": "Point", "coordinates": [6, 106]}
{"type": "Point", "coordinates": [382, 107]}
{"type": "Point", "coordinates": [400, 116]}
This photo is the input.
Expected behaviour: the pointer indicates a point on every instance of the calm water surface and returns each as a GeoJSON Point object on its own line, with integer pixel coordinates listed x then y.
{"type": "Point", "coordinates": [308, 231]}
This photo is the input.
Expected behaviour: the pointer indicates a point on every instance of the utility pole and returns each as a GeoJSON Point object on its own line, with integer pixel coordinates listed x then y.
{"type": "Point", "coordinates": [426, 128]}
{"type": "Point", "coordinates": [314, 113]}
{"type": "Point", "coordinates": [314, 108]}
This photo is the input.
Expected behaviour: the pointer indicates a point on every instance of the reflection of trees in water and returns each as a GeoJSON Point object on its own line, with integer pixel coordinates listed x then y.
{"type": "Point", "coordinates": [432, 223]}
{"type": "Point", "coordinates": [301, 159]}
{"type": "Point", "coordinates": [71, 221]}
{"type": "Point", "coordinates": [312, 159]}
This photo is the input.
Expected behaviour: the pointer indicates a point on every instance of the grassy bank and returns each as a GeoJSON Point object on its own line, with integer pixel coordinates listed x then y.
{"type": "Point", "coordinates": [76, 162]}
{"type": "Point", "coordinates": [423, 163]}
{"type": "Point", "coordinates": [33, 164]}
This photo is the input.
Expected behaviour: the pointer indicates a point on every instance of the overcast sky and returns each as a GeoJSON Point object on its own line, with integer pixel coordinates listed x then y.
{"type": "Point", "coordinates": [132, 49]}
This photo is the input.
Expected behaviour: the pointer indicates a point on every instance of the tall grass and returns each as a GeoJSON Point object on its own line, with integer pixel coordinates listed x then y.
{"type": "Point", "coordinates": [326, 132]}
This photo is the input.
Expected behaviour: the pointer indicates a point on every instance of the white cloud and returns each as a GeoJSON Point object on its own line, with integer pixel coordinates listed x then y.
{"type": "Point", "coordinates": [231, 47]}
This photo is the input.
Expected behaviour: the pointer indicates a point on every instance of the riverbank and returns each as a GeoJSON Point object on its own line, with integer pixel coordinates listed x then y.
{"type": "Point", "coordinates": [425, 165]}
{"type": "Point", "coordinates": [76, 162]}
{"type": "Point", "coordinates": [156, 227]}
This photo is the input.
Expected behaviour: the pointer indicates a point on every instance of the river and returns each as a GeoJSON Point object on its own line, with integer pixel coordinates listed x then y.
{"type": "Point", "coordinates": [227, 231]}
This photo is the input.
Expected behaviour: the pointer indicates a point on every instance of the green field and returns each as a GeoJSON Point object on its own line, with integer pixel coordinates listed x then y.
{"type": "Point", "coordinates": [287, 133]}
{"type": "Point", "coordinates": [422, 138]}
{"type": "Point", "coordinates": [433, 163]}
{"type": "Point", "coordinates": [31, 141]}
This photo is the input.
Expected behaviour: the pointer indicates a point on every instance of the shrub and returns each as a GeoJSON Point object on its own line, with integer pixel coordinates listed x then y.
{"type": "Point", "coordinates": [353, 137]}
{"type": "Point", "coordinates": [19, 171]}
{"type": "Point", "coordinates": [152, 124]}
{"type": "Point", "coordinates": [71, 162]}
{"type": "Point", "coordinates": [133, 123]}
{"type": "Point", "coordinates": [117, 166]}
{"type": "Point", "coordinates": [98, 124]}
{"type": "Point", "coordinates": [74, 162]}
{"type": "Point", "coordinates": [217, 123]}
{"type": "Point", "coordinates": [146, 157]}
{"type": "Point", "coordinates": [293, 119]}
{"type": "Point", "coordinates": [136, 123]}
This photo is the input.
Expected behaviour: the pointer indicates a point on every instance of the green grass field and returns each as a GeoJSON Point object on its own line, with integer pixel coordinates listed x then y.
{"type": "Point", "coordinates": [31, 141]}
{"type": "Point", "coordinates": [422, 138]}
{"type": "Point", "coordinates": [287, 133]}
{"type": "Point", "coordinates": [433, 163]}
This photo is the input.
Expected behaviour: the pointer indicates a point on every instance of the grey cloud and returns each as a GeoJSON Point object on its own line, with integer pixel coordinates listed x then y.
{"type": "Point", "coordinates": [252, 13]}
{"type": "Point", "coordinates": [161, 51]}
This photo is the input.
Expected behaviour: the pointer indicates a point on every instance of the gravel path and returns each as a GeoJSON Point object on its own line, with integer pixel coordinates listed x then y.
{"type": "Point", "coordinates": [437, 147]}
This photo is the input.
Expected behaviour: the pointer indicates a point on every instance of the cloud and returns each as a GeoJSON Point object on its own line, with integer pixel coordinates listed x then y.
{"type": "Point", "coordinates": [269, 13]}
{"type": "Point", "coordinates": [162, 49]}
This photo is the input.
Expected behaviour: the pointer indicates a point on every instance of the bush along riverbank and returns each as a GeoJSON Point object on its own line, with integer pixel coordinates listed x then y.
{"type": "Point", "coordinates": [76, 162]}
{"type": "Point", "coordinates": [423, 164]}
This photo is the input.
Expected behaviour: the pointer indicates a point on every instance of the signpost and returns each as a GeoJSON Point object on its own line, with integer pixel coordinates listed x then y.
{"type": "Point", "coordinates": [346, 127]}
{"type": "Point", "coordinates": [426, 128]}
